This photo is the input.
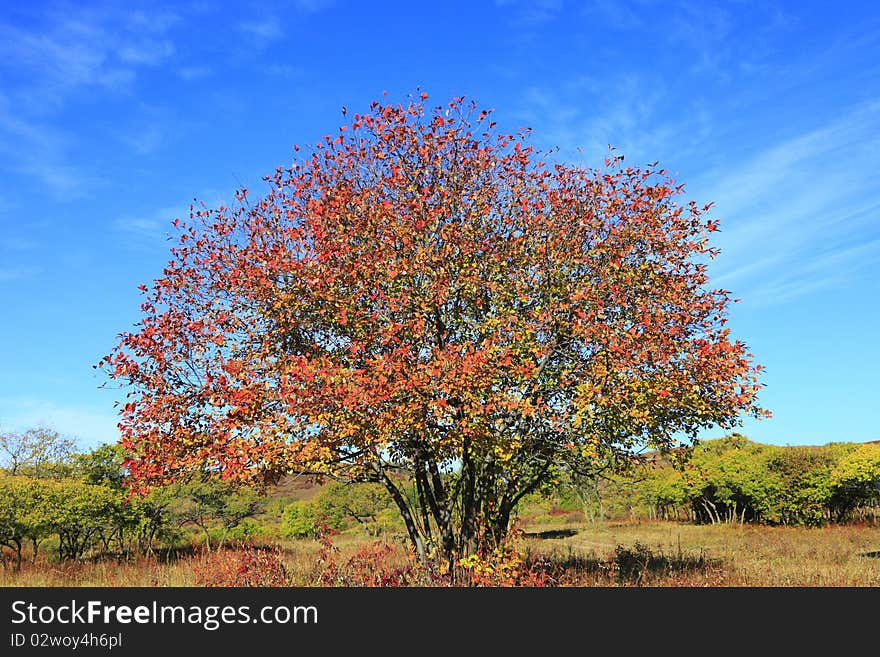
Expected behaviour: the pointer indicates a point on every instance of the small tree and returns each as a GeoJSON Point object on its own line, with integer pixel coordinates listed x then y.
{"type": "Point", "coordinates": [855, 480]}
{"type": "Point", "coordinates": [136, 521]}
{"type": "Point", "coordinates": [23, 515]}
{"type": "Point", "coordinates": [361, 501]}
{"type": "Point", "coordinates": [210, 503]}
{"type": "Point", "coordinates": [39, 451]}
{"type": "Point", "coordinates": [298, 520]}
{"type": "Point", "coordinates": [104, 465]}
{"type": "Point", "coordinates": [425, 295]}
{"type": "Point", "coordinates": [79, 513]}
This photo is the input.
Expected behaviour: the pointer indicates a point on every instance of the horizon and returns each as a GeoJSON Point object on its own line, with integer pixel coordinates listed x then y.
{"type": "Point", "coordinates": [113, 120]}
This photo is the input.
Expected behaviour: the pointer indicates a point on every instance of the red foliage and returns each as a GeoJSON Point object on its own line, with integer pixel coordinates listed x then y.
{"type": "Point", "coordinates": [243, 565]}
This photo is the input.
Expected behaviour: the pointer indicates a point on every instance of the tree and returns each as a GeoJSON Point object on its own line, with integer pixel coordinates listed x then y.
{"type": "Point", "coordinates": [298, 520]}
{"type": "Point", "coordinates": [855, 480]}
{"type": "Point", "coordinates": [731, 479]}
{"type": "Point", "coordinates": [423, 294]}
{"type": "Point", "coordinates": [39, 451]}
{"type": "Point", "coordinates": [363, 502]}
{"type": "Point", "coordinates": [211, 502]}
{"type": "Point", "coordinates": [104, 465]}
{"type": "Point", "coordinates": [80, 513]}
{"type": "Point", "coordinates": [24, 515]}
{"type": "Point", "coordinates": [137, 521]}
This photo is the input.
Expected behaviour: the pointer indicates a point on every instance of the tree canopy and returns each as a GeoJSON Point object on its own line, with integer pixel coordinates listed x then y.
{"type": "Point", "coordinates": [421, 293]}
{"type": "Point", "coordinates": [39, 451]}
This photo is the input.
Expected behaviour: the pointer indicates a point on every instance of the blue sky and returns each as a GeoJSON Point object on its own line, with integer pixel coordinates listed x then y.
{"type": "Point", "coordinates": [114, 116]}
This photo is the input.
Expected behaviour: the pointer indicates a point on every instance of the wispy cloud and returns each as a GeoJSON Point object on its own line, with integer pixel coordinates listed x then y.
{"type": "Point", "coordinates": [835, 269]}
{"type": "Point", "coordinates": [797, 215]}
{"type": "Point", "coordinates": [86, 424]}
{"type": "Point", "coordinates": [69, 52]}
{"type": "Point", "coordinates": [532, 12]}
{"type": "Point", "coordinates": [139, 226]}
{"type": "Point", "coordinates": [194, 72]}
{"type": "Point", "coordinates": [704, 30]}
{"type": "Point", "coordinates": [148, 52]}
{"type": "Point", "coordinates": [584, 117]}
{"type": "Point", "coordinates": [711, 38]}
{"type": "Point", "coordinates": [56, 58]}
{"type": "Point", "coordinates": [16, 244]}
{"type": "Point", "coordinates": [145, 141]}
{"type": "Point", "coordinates": [38, 150]}
{"type": "Point", "coordinates": [149, 229]}
{"type": "Point", "coordinates": [284, 71]}
{"type": "Point", "coordinates": [8, 274]}
{"type": "Point", "coordinates": [266, 30]}
{"type": "Point", "coordinates": [617, 15]}
{"type": "Point", "coordinates": [802, 214]}
{"type": "Point", "coordinates": [155, 21]}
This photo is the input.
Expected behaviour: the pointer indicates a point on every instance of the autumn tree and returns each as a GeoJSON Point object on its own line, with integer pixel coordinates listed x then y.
{"type": "Point", "coordinates": [423, 295]}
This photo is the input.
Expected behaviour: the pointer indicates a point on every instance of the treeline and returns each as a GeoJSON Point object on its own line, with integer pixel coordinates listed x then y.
{"type": "Point", "coordinates": [67, 505]}
{"type": "Point", "coordinates": [71, 505]}
{"type": "Point", "coordinates": [733, 479]}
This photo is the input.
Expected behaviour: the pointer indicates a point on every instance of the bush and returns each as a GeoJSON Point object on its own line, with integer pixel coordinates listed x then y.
{"type": "Point", "coordinates": [298, 520]}
{"type": "Point", "coordinates": [244, 531]}
{"type": "Point", "coordinates": [245, 565]}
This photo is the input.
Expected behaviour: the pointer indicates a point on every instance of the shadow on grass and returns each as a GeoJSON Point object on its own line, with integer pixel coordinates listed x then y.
{"type": "Point", "coordinates": [552, 533]}
{"type": "Point", "coordinates": [637, 565]}
{"type": "Point", "coordinates": [871, 555]}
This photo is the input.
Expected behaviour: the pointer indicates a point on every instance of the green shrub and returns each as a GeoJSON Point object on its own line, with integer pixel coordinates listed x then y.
{"type": "Point", "coordinates": [245, 531]}
{"type": "Point", "coordinates": [298, 520]}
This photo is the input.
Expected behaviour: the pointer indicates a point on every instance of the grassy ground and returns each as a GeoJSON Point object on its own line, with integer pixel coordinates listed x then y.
{"type": "Point", "coordinates": [677, 554]}
{"type": "Point", "coordinates": [566, 553]}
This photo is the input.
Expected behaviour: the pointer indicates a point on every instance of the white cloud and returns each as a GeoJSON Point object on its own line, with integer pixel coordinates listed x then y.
{"type": "Point", "coordinates": [87, 425]}
{"type": "Point", "coordinates": [145, 141]}
{"type": "Point", "coordinates": [803, 214]}
{"type": "Point", "coordinates": [531, 13]}
{"type": "Point", "coordinates": [139, 226]}
{"type": "Point", "coordinates": [194, 72]}
{"type": "Point", "coordinates": [797, 215]}
{"type": "Point", "coordinates": [152, 228]}
{"type": "Point", "coordinates": [70, 53]}
{"type": "Point", "coordinates": [38, 150]}
{"type": "Point", "coordinates": [584, 117]}
{"type": "Point", "coordinates": [16, 244]}
{"type": "Point", "coordinates": [8, 274]}
{"type": "Point", "coordinates": [266, 30]}
{"type": "Point", "coordinates": [156, 20]}
{"type": "Point", "coordinates": [147, 52]}
{"type": "Point", "coordinates": [618, 15]}
{"type": "Point", "coordinates": [53, 60]}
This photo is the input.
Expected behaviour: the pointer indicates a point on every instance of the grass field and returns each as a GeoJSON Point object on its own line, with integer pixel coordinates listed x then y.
{"type": "Point", "coordinates": [653, 553]}
{"type": "Point", "coordinates": [676, 554]}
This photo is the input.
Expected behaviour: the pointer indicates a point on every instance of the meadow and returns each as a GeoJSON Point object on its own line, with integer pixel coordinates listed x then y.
{"type": "Point", "coordinates": [652, 553]}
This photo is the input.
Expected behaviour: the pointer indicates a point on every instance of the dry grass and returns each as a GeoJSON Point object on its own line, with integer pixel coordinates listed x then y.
{"type": "Point", "coordinates": [656, 553]}
{"type": "Point", "coordinates": [680, 554]}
